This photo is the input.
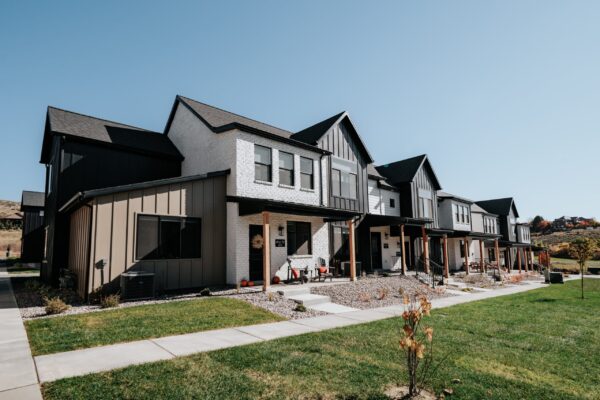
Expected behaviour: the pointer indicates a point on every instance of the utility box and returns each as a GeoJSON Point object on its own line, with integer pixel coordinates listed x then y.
{"type": "Point", "coordinates": [137, 285]}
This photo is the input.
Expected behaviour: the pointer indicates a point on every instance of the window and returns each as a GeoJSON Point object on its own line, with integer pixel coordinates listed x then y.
{"type": "Point", "coordinates": [262, 163]}
{"type": "Point", "coordinates": [461, 244]}
{"type": "Point", "coordinates": [335, 182]}
{"type": "Point", "coordinates": [468, 215]}
{"type": "Point", "coordinates": [426, 207]}
{"type": "Point", "coordinates": [455, 206]}
{"type": "Point", "coordinates": [351, 186]}
{"type": "Point", "coordinates": [307, 180]}
{"type": "Point", "coordinates": [392, 203]}
{"type": "Point", "coordinates": [299, 238]}
{"type": "Point", "coordinates": [50, 176]}
{"type": "Point", "coordinates": [166, 237]}
{"type": "Point", "coordinates": [286, 169]}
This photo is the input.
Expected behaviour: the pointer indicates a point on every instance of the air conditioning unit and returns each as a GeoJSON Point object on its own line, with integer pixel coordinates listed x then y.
{"type": "Point", "coordinates": [137, 285]}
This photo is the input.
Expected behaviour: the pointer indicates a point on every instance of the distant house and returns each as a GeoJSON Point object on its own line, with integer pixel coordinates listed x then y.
{"type": "Point", "coordinates": [33, 233]}
{"type": "Point", "coordinates": [11, 220]}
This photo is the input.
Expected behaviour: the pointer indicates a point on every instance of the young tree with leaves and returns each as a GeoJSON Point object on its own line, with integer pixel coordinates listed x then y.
{"type": "Point", "coordinates": [582, 250]}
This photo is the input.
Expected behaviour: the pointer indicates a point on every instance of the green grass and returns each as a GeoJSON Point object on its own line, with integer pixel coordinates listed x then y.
{"type": "Point", "coordinates": [542, 344]}
{"type": "Point", "coordinates": [571, 265]}
{"type": "Point", "coordinates": [22, 270]}
{"type": "Point", "coordinates": [51, 335]}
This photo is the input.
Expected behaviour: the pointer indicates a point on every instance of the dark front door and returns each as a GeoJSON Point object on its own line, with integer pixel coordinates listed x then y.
{"type": "Point", "coordinates": [256, 252]}
{"type": "Point", "coordinates": [376, 250]}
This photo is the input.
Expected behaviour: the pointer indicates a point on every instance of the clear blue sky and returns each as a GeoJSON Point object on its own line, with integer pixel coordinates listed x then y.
{"type": "Point", "coordinates": [503, 96]}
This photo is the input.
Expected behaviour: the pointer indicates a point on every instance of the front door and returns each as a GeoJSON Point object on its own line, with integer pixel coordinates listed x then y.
{"type": "Point", "coordinates": [376, 250]}
{"type": "Point", "coordinates": [256, 252]}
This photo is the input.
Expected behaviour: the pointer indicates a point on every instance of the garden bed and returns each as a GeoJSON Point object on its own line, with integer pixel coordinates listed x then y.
{"type": "Point", "coordinates": [377, 291]}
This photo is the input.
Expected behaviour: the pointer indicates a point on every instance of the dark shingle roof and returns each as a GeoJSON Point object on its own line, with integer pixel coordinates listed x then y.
{"type": "Point", "coordinates": [217, 118]}
{"type": "Point", "coordinates": [499, 206]}
{"type": "Point", "coordinates": [446, 195]}
{"type": "Point", "coordinates": [404, 171]}
{"type": "Point", "coordinates": [100, 130]}
{"type": "Point", "coordinates": [313, 133]}
{"type": "Point", "coordinates": [32, 199]}
{"type": "Point", "coordinates": [372, 172]}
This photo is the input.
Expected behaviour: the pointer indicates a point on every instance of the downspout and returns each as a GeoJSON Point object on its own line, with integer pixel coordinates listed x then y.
{"type": "Point", "coordinates": [89, 251]}
{"type": "Point", "coordinates": [321, 180]}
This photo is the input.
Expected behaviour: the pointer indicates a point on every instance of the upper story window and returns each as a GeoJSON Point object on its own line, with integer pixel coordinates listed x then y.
{"type": "Point", "coordinates": [307, 177]}
{"type": "Point", "coordinates": [343, 184]}
{"type": "Point", "coordinates": [262, 163]}
{"type": "Point", "coordinates": [286, 169]}
{"type": "Point", "coordinates": [392, 203]}
{"type": "Point", "coordinates": [165, 237]}
{"type": "Point", "coordinates": [456, 212]}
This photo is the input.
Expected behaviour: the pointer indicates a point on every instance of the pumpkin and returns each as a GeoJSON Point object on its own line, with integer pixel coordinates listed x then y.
{"type": "Point", "coordinates": [250, 283]}
{"type": "Point", "coordinates": [275, 280]}
{"type": "Point", "coordinates": [244, 283]}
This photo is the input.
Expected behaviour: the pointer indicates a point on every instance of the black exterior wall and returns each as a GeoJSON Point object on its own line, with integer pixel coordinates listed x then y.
{"type": "Point", "coordinates": [78, 166]}
{"type": "Point", "coordinates": [33, 238]}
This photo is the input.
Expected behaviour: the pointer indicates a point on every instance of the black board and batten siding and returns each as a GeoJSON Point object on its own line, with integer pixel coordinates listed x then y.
{"type": "Point", "coordinates": [32, 241]}
{"type": "Point", "coordinates": [422, 180]}
{"type": "Point", "coordinates": [339, 142]}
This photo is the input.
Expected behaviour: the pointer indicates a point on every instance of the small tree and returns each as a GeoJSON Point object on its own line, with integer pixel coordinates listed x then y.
{"type": "Point", "coordinates": [582, 250]}
{"type": "Point", "coordinates": [414, 342]}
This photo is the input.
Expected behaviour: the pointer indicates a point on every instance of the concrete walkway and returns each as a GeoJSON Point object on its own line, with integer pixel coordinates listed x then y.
{"type": "Point", "coordinates": [97, 359]}
{"type": "Point", "coordinates": [18, 378]}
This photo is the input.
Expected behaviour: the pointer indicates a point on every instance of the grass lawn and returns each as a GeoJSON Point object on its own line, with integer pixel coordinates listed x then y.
{"type": "Point", "coordinates": [542, 344]}
{"type": "Point", "coordinates": [22, 270]}
{"type": "Point", "coordinates": [70, 332]}
{"type": "Point", "coordinates": [571, 265]}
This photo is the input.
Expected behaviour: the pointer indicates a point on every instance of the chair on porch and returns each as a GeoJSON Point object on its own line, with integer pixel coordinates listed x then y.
{"type": "Point", "coordinates": [324, 271]}
{"type": "Point", "coordinates": [297, 274]}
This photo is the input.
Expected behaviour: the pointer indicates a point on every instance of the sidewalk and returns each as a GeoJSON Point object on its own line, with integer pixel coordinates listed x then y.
{"type": "Point", "coordinates": [104, 358]}
{"type": "Point", "coordinates": [18, 378]}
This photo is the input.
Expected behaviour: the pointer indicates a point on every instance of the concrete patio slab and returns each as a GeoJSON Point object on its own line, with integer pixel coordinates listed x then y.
{"type": "Point", "coordinates": [181, 345]}
{"type": "Point", "coordinates": [97, 359]}
{"type": "Point", "coordinates": [276, 330]}
{"type": "Point", "coordinates": [31, 392]}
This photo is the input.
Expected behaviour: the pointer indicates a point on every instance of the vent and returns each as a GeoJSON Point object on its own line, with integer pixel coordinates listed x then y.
{"type": "Point", "coordinates": [137, 285]}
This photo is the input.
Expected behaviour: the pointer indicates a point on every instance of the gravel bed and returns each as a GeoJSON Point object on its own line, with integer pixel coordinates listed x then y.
{"type": "Point", "coordinates": [31, 304]}
{"type": "Point", "coordinates": [367, 291]}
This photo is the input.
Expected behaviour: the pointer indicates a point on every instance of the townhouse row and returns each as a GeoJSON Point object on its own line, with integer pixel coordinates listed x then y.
{"type": "Point", "coordinates": [217, 198]}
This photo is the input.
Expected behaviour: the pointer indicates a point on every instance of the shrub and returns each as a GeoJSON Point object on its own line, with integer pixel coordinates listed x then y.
{"type": "Point", "coordinates": [382, 293]}
{"type": "Point", "coordinates": [300, 308]}
{"type": "Point", "coordinates": [110, 301]}
{"type": "Point", "coordinates": [55, 305]}
{"type": "Point", "coordinates": [205, 292]}
{"type": "Point", "coordinates": [364, 297]}
{"type": "Point", "coordinates": [270, 296]}
{"type": "Point", "coordinates": [32, 284]}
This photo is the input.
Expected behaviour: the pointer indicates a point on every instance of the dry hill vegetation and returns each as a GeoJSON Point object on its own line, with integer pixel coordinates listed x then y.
{"type": "Point", "coordinates": [10, 238]}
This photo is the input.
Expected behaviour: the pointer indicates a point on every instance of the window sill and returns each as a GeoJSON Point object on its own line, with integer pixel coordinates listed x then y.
{"type": "Point", "coordinates": [281, 185]}
{"type": "Point", "coordinates": [307, 190]}
{"type": "Point", "coordinates": [263, 182]}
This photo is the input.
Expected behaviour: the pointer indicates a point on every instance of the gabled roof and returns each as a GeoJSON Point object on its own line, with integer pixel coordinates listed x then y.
{"type": "Point", "coordinates": [499, 206]}
{"type": "Point", "coordinates": [446, 195]}
{"type": "Point", "coordinates": [219, 120]}
{"type": "Point", "coordinates": [312, 134]}
{"type": "Point", "coordinates": [404, 171]}
{"type": "Point", "coordinates": [92, 129]}
{"type": "Point", "coordinates": [373, 173]}
{"type": "Point", "coordinates": [476, 209]}
{"type": "Point", "coordinates": [32, 199]}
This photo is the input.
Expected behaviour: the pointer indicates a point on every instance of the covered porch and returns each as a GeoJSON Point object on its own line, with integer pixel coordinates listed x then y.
{"type": "Point", "coordinates": [275, 241]}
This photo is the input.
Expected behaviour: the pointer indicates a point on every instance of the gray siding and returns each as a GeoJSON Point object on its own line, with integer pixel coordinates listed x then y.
{"type": "Point", "coordinates": [423, 181]}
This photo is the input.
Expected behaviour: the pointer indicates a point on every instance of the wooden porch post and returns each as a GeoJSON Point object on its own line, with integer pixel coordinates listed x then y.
{"type": "Point", "coordinates": [519, 259]}
{"type": "Point", "coordinates": [403, 249]}
{"type": "Point", "coordinates": [266, 252]}
{"type": "Point", "coordinates": [352, 250]}
{"type": "Point", "coordinates": [466, 250]}
{"type": "Point", "coordinates": [482, 256]}
{"type": "Point", "coordinates": [531, 258]}
{"type": "Point", "coordinates": [446, 268]}
{"type": "Point", "coordinates": [497, 254]}
{"type": "Point", "coordinates": [526, 259]}
{"type": "Point", "coordinates": [425, 249]}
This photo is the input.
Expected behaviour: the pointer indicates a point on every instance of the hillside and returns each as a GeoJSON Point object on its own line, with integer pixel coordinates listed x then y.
{"type": "Point", "coordinates": [9, 238]}
{"type": "Point", "coordinates": [8, 207]}
{"type": "Point", "coordinates": [558, 238]}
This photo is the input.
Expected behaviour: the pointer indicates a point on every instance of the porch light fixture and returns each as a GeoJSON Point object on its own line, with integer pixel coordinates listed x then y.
{"type": "Point", "coordinates": [280, 230]}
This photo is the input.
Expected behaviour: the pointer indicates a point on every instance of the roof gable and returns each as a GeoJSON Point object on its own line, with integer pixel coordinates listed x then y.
{"type": "Point", "coordinates": [88, 128]}
{"type": "Point", "coordinates": [404, 171]}
{"type": "Point", "coordinates": [499, 206]}
{"type": "Point", "coordinates": [314, 133]}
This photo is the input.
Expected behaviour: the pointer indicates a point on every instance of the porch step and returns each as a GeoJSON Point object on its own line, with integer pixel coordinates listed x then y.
{"type": "Point", "coordinates": [294, 291]}
{"type": "Point", "coordinates": [309, 300]}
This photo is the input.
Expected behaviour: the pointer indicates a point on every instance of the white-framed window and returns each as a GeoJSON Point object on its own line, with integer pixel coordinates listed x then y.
{"type": "Point", "coordinates": [343, 184]}
{"type": "Point", "coordinates": [262, 163]}
{"type": "Point", "coordinates": [307, 176]}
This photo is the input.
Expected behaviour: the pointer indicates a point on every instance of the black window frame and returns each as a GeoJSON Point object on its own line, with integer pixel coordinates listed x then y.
{"type": "Point", "coordinates": [295, 229]}
{"type": "Point", "coordinates": [310, 174]}
{"type": "Point", "coordinates": [345, 188]}
{"type": "Point", "coordinates": [184, 252]}
{"type": "Point", "coordinates": [392, 202]}
{"type": "Point", "coordinates": [291, 171]}
{"type": "Point", "coordinates": [259, 164]}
